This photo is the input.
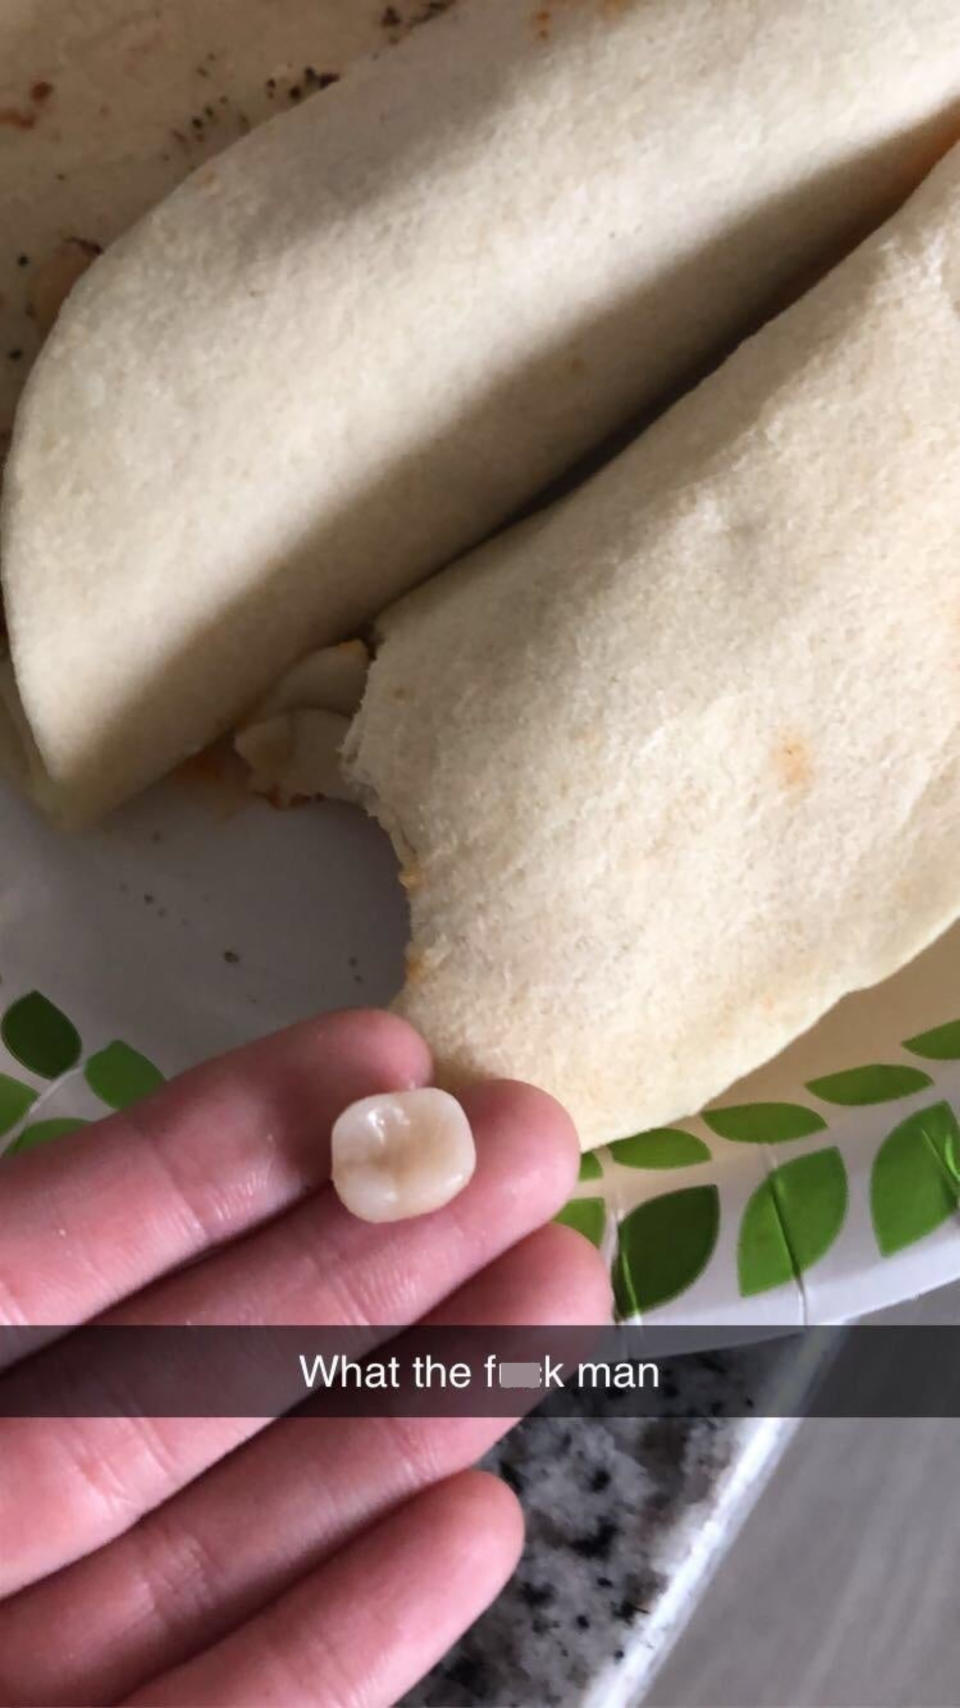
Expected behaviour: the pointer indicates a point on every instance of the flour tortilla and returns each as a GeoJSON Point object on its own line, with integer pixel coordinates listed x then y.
{"type": "Point", "coordinates": [677, 765]}
{"type": "Point", "coordinates": [346, 349]}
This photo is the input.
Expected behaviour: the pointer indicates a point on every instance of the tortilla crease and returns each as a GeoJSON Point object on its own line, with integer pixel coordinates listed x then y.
{"type": "Point", "coordinates": [675, 766]}
{"type": "Point", "coordinates": [346, 349]}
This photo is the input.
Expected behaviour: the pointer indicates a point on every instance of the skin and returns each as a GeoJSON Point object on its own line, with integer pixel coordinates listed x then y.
{"type": "Point", "coordinates": [320, 1562]}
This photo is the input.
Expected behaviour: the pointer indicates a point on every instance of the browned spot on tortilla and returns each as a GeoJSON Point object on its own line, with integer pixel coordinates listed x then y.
{"type": "Point", "coordinates": [543, 17]}
{"type": "Point", "coordinates": [216, 777]}
{"type": "Point", "coordinates": [14, 119]}
{"type": "Point", "coordinates": [41, 92]}
{"type": "Point", "coordinates": [54, 278]}
{"type": "Point", "coordinates": [416, 964]}
{"type": "Point", "coordinates": [793, 762]}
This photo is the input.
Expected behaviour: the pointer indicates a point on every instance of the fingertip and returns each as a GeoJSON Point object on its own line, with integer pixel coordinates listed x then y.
{"type": "Point", "coordinates": [378, 1040]}
{"type": "Point", "coordinates": [533, 1131]}
{"type": "Point", "coordinates": [584, 1293]}
{"type": "Point", "coordinates": [492, 1509]}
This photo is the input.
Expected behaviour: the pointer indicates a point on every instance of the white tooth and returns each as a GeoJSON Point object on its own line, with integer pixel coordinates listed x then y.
{"type": "Point", "coordinates": [401, 1154]}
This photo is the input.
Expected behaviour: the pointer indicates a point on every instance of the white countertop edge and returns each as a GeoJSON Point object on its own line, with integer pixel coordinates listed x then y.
{"type": "Point", "coordinates": [697, 1545]}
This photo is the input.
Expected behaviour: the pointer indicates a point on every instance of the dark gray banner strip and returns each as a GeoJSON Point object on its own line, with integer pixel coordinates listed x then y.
{"type": "Point", "coordinates": [102, 1371]}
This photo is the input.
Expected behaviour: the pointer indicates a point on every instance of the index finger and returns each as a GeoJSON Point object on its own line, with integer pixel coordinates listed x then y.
{"type": "Point", "coordinates": [109, 1209]}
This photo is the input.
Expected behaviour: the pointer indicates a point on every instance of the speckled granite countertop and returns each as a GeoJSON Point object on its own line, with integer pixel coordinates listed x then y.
{"type": "Point", "coordinates": [625, 1519]}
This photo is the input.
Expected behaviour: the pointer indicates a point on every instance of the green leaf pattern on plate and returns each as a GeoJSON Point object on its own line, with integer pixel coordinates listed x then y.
{"type": "Point", "coordinates": [915, 1180]}
{"type": "Point", "coordinates": [121, 1076]}
{"type": "Point", "coordinates": [764, 1123]}
{"type": "Point", "coordinates": [663, 1246]}
{"type": "Point", "coordinates": [807, 1200]}
{"type": "Point", "coordinates": [881, 1082]}
{"type": "Point", "coordinates": [587, 1215]}
{"type": "Point", "coordinates": [763, 1255]}
{"type": "Point", "coordinates": [661, 1147]}
{"type": "Point", "coordinates": [940, 1045]}
{"type": "Point", "coordinates": [40, 1037]}
{"type": "Point", "coordinates": [665, 1243]}
{"type": "Point", "coordinates": [15, 1099]}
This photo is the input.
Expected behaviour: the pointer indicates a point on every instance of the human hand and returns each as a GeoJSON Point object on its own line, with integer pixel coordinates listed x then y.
{"type": "Point", "coordinates": [310, 1561]}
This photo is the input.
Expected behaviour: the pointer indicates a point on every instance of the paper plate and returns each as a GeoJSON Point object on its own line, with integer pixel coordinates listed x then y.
{"type": "Point", "coordinates": [824, 1186]}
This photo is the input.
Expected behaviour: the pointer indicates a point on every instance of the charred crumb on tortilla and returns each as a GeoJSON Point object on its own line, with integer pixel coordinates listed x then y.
{"type": "Point", "coordinates": [231, 957]}
{"type": "Point", "coordinates": [318, 80]}
{"type": "Point", "coordinates": [41, 92]}
{"type": "Point", "coordinates": [793, 762]}
{"type": "Point", "coordinates": [23, 260]}
{"type": "Point", "coordinates": [15, 355]}
{"type": "Point", "coordinates": [397, 25]}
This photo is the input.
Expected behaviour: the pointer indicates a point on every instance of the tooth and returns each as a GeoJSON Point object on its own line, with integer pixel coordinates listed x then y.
{"type": "Point", "coordinates": [401, 1154]}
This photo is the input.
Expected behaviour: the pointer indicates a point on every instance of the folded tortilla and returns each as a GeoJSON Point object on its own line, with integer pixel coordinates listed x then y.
{"type": "Point", "coordinates": [677, 764]}
{"type": "Point", "coordinates": [346, 349]}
